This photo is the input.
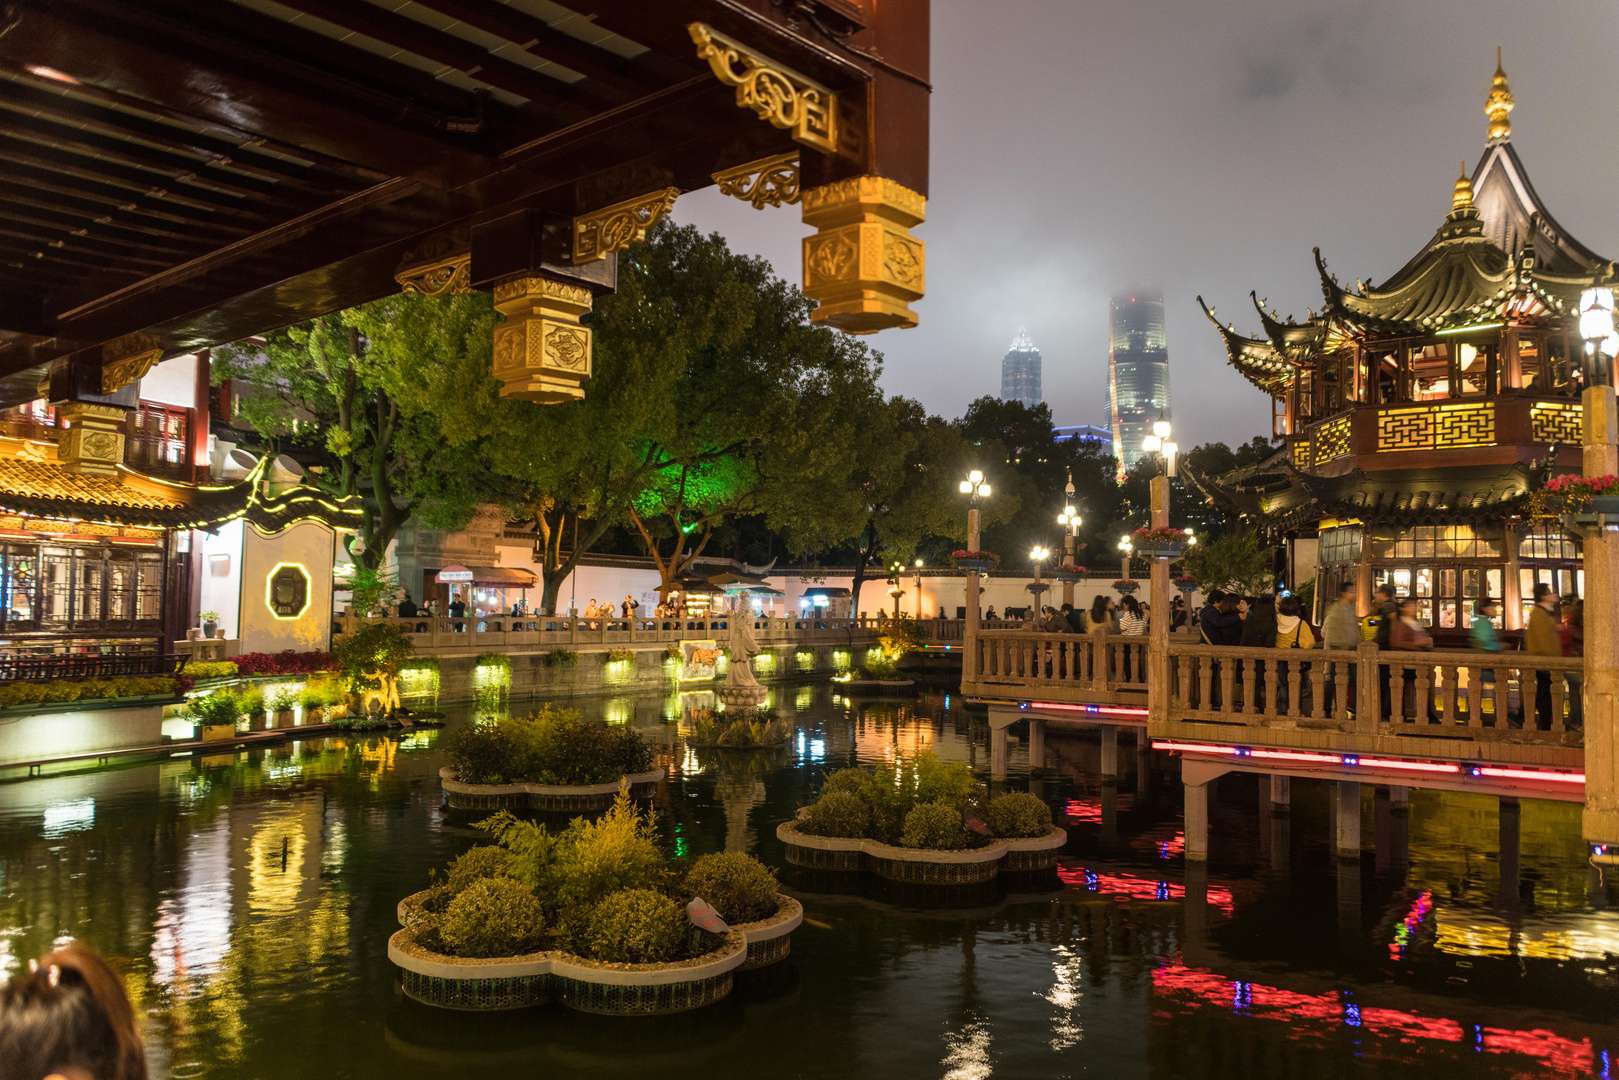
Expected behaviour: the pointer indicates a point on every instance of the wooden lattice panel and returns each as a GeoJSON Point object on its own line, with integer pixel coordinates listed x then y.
{"type": "Point", "coordinates": [1332, 440]}
{"type": "Point", "coordinates": [1436, 427]}
{"type": "Point", "coordinates": [1301, 453]}
{"type": "Point", "coordinates": [1555, 422]}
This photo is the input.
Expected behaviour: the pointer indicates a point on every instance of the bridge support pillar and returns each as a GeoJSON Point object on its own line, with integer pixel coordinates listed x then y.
{"type": "Point", "coordinates": [1399, 799]}
{"type": "Point", "coordinates": [997, 753]}
{"type": "Point", "coordinates": [1281, 795]}
{"type": "Point", "coordinates": [1037, 746]}
{"type": "Point", "coordinates": [1196, 816]}
{"type": "Point", "coordinates": [1347, 844]}
{"type": "Point", "coordinates": [1110, 753]}
{"type": "Point", "coordinates": [1281, 842]}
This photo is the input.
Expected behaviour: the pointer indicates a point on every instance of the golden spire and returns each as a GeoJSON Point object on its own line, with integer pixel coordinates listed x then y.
{"type": "Point", "coordinates": [1462, 197]}
{"type": "Point", "coordinates": [1499, 103]}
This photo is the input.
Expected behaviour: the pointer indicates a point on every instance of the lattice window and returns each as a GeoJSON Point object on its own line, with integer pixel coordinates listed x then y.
{"type": "Point", "coordinates": [1555, 422]}
{"type": "Point", "coordinates": [1301, 453]}
{"type": "Point", "coordinates": [1332, 440]}
{"type": "Point", "coordinates": [1438, 426]}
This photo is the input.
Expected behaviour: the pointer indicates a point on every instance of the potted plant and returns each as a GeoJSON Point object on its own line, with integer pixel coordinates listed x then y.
{"type": "Point", "coordinates": [282, 701]}
{"type": "Point", "coordinates": [981, 562]}
{"type": "Point", "coordinates": [1164, 543]}
{"type": "Point", "coordinates": [210, 623]}
{"type": "Point", "coordinates": [1187, 584]}
{"type": "Point", "coordinates": [1037, 587]}
{"type": "Point", "coordinates": [1126, 586]}
{"type": "Point", "coordinates": [1068, 572]}
{"type": "Point", "coordinates": [1576, 500]}
{"type": "Point", "coordinates": [215, 716]}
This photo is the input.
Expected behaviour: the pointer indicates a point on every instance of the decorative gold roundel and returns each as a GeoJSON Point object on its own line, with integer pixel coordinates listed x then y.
{"type": "Point", "coordinates": [288, 591]}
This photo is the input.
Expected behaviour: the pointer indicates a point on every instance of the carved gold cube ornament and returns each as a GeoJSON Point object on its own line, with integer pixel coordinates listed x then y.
{"type": "Point", "coordinates": [863, 265]}
{"type": "Point", "coordinates": [542, 354]}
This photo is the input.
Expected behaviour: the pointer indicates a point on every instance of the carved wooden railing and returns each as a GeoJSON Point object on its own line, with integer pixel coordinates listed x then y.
{"type": "Point", "coordinates": [1112, 667]}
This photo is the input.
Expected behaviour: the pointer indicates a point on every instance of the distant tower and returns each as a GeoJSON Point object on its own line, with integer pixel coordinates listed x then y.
{"type": "Point", "coordinates": [1137, 371]}
{"type": "Point", "coordinates": [1020, 372]}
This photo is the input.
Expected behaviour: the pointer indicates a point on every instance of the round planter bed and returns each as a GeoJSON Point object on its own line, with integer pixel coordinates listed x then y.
{"type": "Point", "coordinates": [914, 866]}
{"type": "Point", "coordinates": [517, 982]}
{"type": "Point", "coordinates": [543, 796]}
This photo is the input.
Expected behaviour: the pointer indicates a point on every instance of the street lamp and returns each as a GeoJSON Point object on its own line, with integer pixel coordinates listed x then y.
{"type": "Point", "coordinates": [919, 588]}
{"type": "Point", "coordinates": [1039, 555]}
{"type": "Point", "coordinates": [1126, 547]}
{"type": "Point", "coordinates": [1597, 328]}
{"type": "Point", "coordinates": [1159, 443]}
{"type": "Point", "coordinates": [975, 486]}
{"type": "Point", "coordinates": [1070, 519]}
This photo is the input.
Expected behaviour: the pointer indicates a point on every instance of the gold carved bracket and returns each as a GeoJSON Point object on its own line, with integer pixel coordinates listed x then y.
{"type": "Point", "coordinates": [443, 277]}
{"type": "Point", "coordinates": [862, 264]}
{"type": "Point", "coordinates": [601, 232]}
{"type": "Point", "coordinates": [773, 91]}
{"type": "Point", "coordinates": [125, 359]}
{"type": "Point", "coordinates": [542, 353]}
{"type": "Point", "coordinates": [771, 181]}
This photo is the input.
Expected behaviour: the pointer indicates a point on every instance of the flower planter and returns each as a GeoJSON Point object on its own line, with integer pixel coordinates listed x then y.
{"type": "Point", "coordinates": [1068, 577]}
{"type": "Point", "coordinates": [914, 866]}
{"type": "Point", "coordinates": [1037, 587]}
{"type": "Point", "coordinates": [975, 566]}
{"type": "Point", "coordinates": [1128, 589]}
{"type": "Point", "coordinates": [284, 718]}
{"type": "Point", "coordinates": [1171, 552]}
{"type": "Point", "coordinates": [516, 982]}
{"type": "Point", "coordinates": [543, 796]}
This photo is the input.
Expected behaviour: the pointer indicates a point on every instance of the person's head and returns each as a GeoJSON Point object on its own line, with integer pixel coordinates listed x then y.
{"type": "Point", "coordinates": [69, 1015]}
{"type": "Point", "coordinates": [1099, 607]}
{"type": "Point", "coordinates": [1408, 609]}
{"type": "Point", "coordinates": [1066, 608]}
{"type": "Point", "coordinates": [1346, 592]}
{"type": "Point", "coordinates": [1487, 606]}
{"type": "Point", "coordinates": [1229, 602]}
{"type": "Point", "coordinates": [1289, 605]}
{"type": "Point", "coordinates": [1385, 591]}
{"type": "Point", "coordinates": [1244, 604]}
{"type": "Point", "coordinates": [1544, 596]}
{"type": "Point", "coordinates": [1132, 606]}
{"type": "Point", "coordinates": [1216, 596]}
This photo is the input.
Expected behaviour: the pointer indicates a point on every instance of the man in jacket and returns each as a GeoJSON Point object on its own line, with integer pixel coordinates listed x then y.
{"type": "Point", "coordinates": [1340, 629]}
{"type": "Point", "coordinates": [1388, 613]}
{"type": "Point", "coordinates": [1543, 637]}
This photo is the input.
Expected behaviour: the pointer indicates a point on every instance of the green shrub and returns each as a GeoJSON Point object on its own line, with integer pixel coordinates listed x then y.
{"type": "Point", "coordinates": [562, 658]}
{"type": "Point", "coordinates": [486, 753]}
{"type": "Point", "coordinates": [621, 656]}
{"type": "Point", "coordinates": [549, 746]}
{"type": "Point", "coordinates": [217, 708]}
{"type": "Point", "coordinates": [934, 825]}
{"type": "Point", "coordinates": [589, 859]}
{"type": "Point", "coordinates": [284, 699]}
{"type": "Point", "coordinates": [376, 646]}
{"type": "Point", "coordinates": [484, 861]}
{"type": "Point", "coordinates": [116, 686]}
{"type": "Point", "coordinates": [251, 701]}
{"type": "Point", "coordinates": [1018, 813]}
{"type": "Point", "coordinates": [495, 916]}
{"type": "Point", "coordinates": [854, 781]}
{"type": "Point", "coordinates": [211, 669]}
{"type": "Point", "coordinates": [739, 729]}
{"type": "Point", "coordinates": [842, 813]}
{"type": "Point", "coordinates": [879, 667]}
{"type": "Point", "coordinates": [741, 888]}
{"type": "Point", "coordinates": [638, 926]}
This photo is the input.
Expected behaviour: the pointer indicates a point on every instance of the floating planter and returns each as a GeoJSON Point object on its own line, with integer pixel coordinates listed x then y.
{"type": "Point", "coordinates": [592, 917]}
{"type": "Point", "coordinates": [525, 796]}
{"type": "Point", "coordinates": [548, 760]}
{"type": "Point", "coordinates": [914, 866]}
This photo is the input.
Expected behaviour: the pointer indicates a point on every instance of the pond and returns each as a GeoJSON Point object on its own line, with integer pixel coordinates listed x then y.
{"type": "Point", "coordinates": [248, 899]}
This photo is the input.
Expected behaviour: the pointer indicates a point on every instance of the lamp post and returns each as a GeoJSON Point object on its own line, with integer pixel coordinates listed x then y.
{"type": "Point", "coordinates": [1600, 457]}
{"type": "Point", "coordinates": [1160, 445]}
{"type": "Point", "coordinates": [1069, 519]}
{"type": "Point", "coordinates": [919, 589]}
{"type": "Point", "coordinates": [1126, 547]}
{"type": "Point", "coordinates": [975, 487]}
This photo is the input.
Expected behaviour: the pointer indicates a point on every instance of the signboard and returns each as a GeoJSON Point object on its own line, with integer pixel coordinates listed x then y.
{"type": "Point", "coordinates": [452, 574]}
{"type": "Point", "coordinates": [287, 592]}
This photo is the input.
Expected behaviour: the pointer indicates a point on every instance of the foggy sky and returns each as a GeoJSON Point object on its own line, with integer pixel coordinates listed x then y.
{"type": "Point", "coordinates": [1085, 148]}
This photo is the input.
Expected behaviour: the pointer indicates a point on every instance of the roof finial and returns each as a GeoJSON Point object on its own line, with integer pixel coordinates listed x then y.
{"type": "Point", "coordinates": [1462, 197]}
{"type": "Point", "coordinates": [1499, 103]}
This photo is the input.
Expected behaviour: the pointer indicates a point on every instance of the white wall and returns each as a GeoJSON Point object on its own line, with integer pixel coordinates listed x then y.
{"type": "Point", "coordinates": [54, 734]}
{"type": "Point", "coordinates": [309, 544]}
{"type": "Point", "coordinates": [222, 574]}
{"type": "Point", "coordinates": [173, 382]}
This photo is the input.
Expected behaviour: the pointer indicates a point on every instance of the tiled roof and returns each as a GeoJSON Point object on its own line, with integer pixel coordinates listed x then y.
{"type": "Point", "coordinates": [34, 480]}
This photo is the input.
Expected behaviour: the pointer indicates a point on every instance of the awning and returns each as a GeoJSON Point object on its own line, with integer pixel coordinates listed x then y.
{"type": "Point", "coordinates": [698, 587]}
{"type": "Point", "coordinates": [488, 577]}
{"type": "Point", "coordinates": [733, 582]}
{"type": "Point", "coordinates": [834, 593]}
{"type": "Point", "coordinates": [755, 590]}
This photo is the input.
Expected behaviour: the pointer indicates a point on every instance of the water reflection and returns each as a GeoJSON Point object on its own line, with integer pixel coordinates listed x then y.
{"type": "Point", "coordinates": [247, 899]}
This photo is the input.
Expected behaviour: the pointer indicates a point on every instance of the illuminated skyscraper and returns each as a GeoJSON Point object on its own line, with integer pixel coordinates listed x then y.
{"type": "Point", "coordinates": [1020, 372]}
{"type": "Point", "coordinates": [1137, 370]}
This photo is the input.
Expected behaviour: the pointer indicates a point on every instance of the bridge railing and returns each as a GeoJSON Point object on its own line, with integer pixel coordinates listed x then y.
{"type": "Point", "coordinates": [1103, 667]}
{"type": "Point", "coordinates": [491, 633]}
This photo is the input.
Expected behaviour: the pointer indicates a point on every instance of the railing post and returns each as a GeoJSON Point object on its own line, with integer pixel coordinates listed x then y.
{"type": "Point", "coordinates": [1367, 697]}
{"type": "Point", "coordinates": [1158, 626]}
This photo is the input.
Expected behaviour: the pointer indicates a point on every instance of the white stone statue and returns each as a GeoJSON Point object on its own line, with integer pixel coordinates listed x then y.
{"type": "Point", "coordinates": [744, 647]}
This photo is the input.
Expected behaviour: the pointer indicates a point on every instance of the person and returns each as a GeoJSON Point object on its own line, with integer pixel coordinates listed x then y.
{"type": "Point", "coordinates": [1574, 645]}
{"type": "Point", "coordinates": [1293, 632]}
{"type": "Point", "coordinates": [458, 610]}
{"type": "Point", "coordinates": [1178, 614]}
{"type": "Point", "coordinates": [1482, 630]}
{"type": "Point", "coordinates": [1407, 634]}
{"type": "Point", "coordinates": [407, 607]}
{"type": "Point", "coordinates": [1341, 630]}
{"type": "Point", "coordinates": [1097, 618]}
{"type": "Point", "coordinates": [1132, 620]}
{"type": "Point", "coordinates": [1259, 632]}
{"type": "Point", "coordinates": [1054, 623]}
{"type": "Point", "coordinates": [990, 616]}
{"type": "Point", "coordinates": [67, 1016]}
{"type": "Point", "coordinates": [940, 614]}
{"type": "Point", "coordinates": [1387, 614]}
{"type": "Point", "coordinates": [1219, 622]}
{"type": "Point", "coordinates": [1543, 637]}
{"type": "Point", "coordinates": [630, 606]}
{"type": "Point", "coordinates": [1076, 618]}
{"type": "Point", "coordinates": [592, 610]}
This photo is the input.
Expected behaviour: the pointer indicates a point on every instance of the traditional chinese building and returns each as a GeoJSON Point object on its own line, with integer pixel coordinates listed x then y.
{"type": "Point", "coordinates": [1417, 413]}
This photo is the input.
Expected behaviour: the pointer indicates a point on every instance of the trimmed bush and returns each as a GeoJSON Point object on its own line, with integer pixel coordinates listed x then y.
{"type": "Point", "coordinates": [638, 926]}
{"type": "Point", "coordinates": [889, 794]}
{"type": "Point", "coordinates": [117, 686]}
{"type": "Point", "coordinates": [488, 753]}
{"type": "Point", "coordinates": [551, 746]}
{"type": "Point", "coordinates": [211, 669]}
{"type": "Point", "coordinates": [285, 699]}
{"type": "Point", "coordinates": [842, 813]}
{"type": "Point", "coordinates": [281, 663]}
{"type": "Point", "coordinates": [1018, 813]}
{"type": "Point", "coordinates": [854, 781]}
{"type": "Point", "coordinates": [484, 861]}
{"type": "Point", "coordinates": [741, 888]}
{"type": "Point", "coordinates": [935, 825]}
{"type": "Point", "coordinates": [494, 916]}
{"type": "Point", "coordinates": [587, 861]}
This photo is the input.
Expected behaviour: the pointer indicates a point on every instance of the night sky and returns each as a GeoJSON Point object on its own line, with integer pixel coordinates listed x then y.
{"type": "Point", "coordinates": [1085, 148]}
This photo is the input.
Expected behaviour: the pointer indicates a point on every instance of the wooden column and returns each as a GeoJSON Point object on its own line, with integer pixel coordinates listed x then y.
{"type": "Point", "coordinates": [1511, 594]}
{"type": "Point", "coordinates": [1601, 816]}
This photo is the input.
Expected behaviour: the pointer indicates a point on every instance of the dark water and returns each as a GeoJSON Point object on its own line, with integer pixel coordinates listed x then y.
{"type": "Point", "coordinates": [248, 901]}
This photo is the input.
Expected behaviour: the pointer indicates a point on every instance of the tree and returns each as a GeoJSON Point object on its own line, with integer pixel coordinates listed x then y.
{"type": "Point", "coordinates": [1239, 563]}
{"type": "Point", "coordinates": [351, 392]}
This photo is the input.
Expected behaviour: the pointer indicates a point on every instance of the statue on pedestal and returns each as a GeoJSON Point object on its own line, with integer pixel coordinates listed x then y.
{"type": "Point", "coordinates": [740, 687]}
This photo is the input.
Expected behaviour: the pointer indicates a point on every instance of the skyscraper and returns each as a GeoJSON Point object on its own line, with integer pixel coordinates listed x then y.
{"type": "Point", "coordinates": [1137, 370]}
{"type": "Point", "coordinates": [1020, 372]}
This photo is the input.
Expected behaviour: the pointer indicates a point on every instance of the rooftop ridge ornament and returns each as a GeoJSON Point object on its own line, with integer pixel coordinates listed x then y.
{"type": "Point", "coordinates": [1499, 104]}
{"type": "Point", "coordinates": [773, 91]}
{"type": "Point", "coordinates": [1461, 197]}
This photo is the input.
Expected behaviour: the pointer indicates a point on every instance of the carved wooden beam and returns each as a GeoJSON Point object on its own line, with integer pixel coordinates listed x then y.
{"type": "Point", "coordinates": [774, 92]}
{"type": "Point", "coordinates": [771, 181]}
{"type": "Point", "coordinates": [602, 232]}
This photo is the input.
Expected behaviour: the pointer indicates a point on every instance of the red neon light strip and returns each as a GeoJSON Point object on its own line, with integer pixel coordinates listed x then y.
{"type": "Point", "coordinates": [1535, 774]}
{"type": "Point", "coordinates": [1099, 710]}
{"type": "Point", "coordinates": [1419, 766]}
{"type": "Point", "coordinates": [1196, 748]}
{"type": "Point", "coordinates": [1297, 755]}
